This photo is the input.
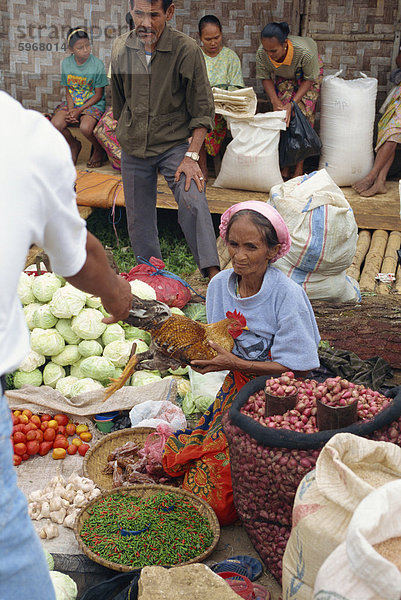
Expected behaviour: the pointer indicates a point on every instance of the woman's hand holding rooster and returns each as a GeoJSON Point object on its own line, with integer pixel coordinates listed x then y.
{"type": "Point", "coordinates": [224, 361]}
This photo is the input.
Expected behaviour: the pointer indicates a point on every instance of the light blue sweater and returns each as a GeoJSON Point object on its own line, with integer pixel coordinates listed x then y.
{"type": "Point", "coordinates": [279, 317]}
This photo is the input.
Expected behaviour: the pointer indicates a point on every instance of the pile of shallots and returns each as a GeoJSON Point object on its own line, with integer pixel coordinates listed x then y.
{"type": "Point", "coordinates": [302, 418]}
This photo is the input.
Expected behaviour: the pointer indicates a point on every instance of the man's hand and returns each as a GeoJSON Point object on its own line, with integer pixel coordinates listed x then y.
{"type": "Point", "coordinates": [191, 170]}
{"type": "Point", "coordinates": [121, 303]}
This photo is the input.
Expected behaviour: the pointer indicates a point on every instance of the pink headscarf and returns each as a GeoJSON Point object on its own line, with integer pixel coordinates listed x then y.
{"type": "Point", "coordinates": [267, 211]}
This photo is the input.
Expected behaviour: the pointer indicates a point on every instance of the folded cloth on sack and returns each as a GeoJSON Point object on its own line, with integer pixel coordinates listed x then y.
{"type": "Point", "coordinates": [235, 103]}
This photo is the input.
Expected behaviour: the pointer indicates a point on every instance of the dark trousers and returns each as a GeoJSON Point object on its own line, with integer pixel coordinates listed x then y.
{"type": "Point", "coordinates": [139, 177]}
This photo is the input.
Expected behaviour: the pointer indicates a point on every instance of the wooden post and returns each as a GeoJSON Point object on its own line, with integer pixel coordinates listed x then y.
{"type": "Point", "coordinates": [373, 261]}
{"type": "Point", "coordinates": [306, 18]}
{"type": "Point", "coordinates": [397, 36]}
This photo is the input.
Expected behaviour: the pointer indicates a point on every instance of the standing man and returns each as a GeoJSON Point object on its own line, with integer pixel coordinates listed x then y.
{"type": "Point", "coordinates": [161, 97]}
{"type": "Point", "coordinates": [37, 206]}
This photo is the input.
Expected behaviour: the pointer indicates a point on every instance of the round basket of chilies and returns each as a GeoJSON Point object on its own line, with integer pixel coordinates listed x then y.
{"type": "Point", "coordinates": [270, 455]}
{"type": "Point", "coordinates": [134, 526]}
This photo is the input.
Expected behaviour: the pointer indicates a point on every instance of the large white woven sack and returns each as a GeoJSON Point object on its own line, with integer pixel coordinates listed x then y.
{"type": "Point", "coordinates": [347, 116]}
{"type": "Point", "coordinates": [325, 503]}
{"type": "Point", "coordinates": [355, 570]}
{"type": "Point", "coordinates": [251, 161]}
{"type": "Point", "coordinates": [323, 233]}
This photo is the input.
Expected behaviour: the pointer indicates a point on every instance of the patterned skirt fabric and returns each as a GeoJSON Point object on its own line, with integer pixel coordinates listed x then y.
{"type": "Point", "coordinates": [389, 126]}
{"type": "Point", "coordinates": [214, 139]}
{"type": "Point", "coordinates": [92, 111]}
{"type": "Point", "coordinates": [287, 88]}
{"type": "Point", "coordinates": [202, 455]}
{"type": "Point", "coordinates": [105, 133]}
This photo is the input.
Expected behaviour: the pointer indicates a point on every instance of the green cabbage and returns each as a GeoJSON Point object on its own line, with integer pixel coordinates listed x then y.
{"type": "Point", "coordinates": [43, 318]}
{"type": "Point", "coordinates": [22, 377]}
{"type": "Point", "coordinates": [183, 385]}
{"type": "Point", "coordinates": [52, 373]}
{"type": "Point", "coordinates": [93, 301]}
{"type": "Point", "coordinates": [145, 377]}
{"type": "Point", "coordinates": [118, 352]}
{"type": "Point", "coordinates": [75, 370]}
{"type": "Point", "coordinates": [85, 385]}
{"type": "Point", "coordinates": [196, 311]}
{"type": "Point", "coordinates": [68, 356]}
{"type": "Point", "coordinates": [134, 333]}
{"type": "Point", "coordinates": [176, 311]}
{"type": "Point", "coordinates": [179, 371]}
{"type": "Point", "coordinates": [188, 404]}
{"type": "Point", "coordinates": [64, 385]}
{"type": "Point", "coordinates": [29, 312]}
{"type": "Point", "coordinates": [47, 341]}
{"type": "Point", "coordinates": [67, 302]}
{"type": "Point", "coordinates": [24, 289]}
{"type": "Point", "coordinates": [32, 362]}
{"type": "Point", "coordinates": [63, 326]}
{"type": "Point", "coordinates": [141, 346]}
{"type": "Point", "coordinates": [44, 286]}
{"type": "Point", "coordinates": [88, 324]}
{"type": "Point", "coordinates": [49, 560]}
{"type": "Point", "coordinates": [97, 367]}
{"type": "Point", "coordinates": [65, 588]}
{"type": "Point", "coordinates": [142, 290]}
{"type": "Point", "coordinates": [202, 403]}
{"type": "Point", "coordinates": [90, 348]}
{"type": "Point", "coordinates": [113, 332]}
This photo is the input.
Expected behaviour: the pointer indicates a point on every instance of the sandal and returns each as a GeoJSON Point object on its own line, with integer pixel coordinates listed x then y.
{"type": "Point", "coordinates": [95, 164]}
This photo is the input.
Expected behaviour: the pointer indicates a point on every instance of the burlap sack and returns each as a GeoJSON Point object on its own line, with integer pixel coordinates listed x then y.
{"type": "Point", "coordinates": [348, 469]}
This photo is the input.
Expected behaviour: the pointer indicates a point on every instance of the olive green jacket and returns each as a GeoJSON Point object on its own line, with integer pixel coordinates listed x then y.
{"type": "Point", "coordinates": [158, 106]}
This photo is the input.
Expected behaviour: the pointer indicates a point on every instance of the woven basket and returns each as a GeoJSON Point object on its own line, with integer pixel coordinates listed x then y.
{"type": "Point", "coordinates": [95, 459]}
{"type": "Point", "coordinates": [146, 491]}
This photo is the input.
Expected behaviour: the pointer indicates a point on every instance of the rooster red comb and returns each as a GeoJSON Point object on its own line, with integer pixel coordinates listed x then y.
{"type": "Point", "coordinates": [237, 316]}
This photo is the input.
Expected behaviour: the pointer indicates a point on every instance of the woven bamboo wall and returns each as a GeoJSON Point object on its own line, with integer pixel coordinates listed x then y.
{"type": "Point", "coordinates": [31, 72]}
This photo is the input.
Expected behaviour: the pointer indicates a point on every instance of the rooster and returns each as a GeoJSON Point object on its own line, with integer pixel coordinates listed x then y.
{"type": "Point", "coordinates": [176, 339]}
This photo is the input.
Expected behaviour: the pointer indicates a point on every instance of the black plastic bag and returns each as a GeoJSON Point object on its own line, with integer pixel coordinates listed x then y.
{"type": "Point", "coordinates": [121, 587]}
{"type": "Point", "coordinates": [299, 140]}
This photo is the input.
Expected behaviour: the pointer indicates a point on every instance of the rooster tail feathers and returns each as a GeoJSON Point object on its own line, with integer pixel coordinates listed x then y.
{"type": "Point", "coordinates": [239, 317]}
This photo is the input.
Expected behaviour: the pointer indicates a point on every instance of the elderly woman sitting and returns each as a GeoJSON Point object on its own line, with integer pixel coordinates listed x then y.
{"type": "Point", "coordinates": [282, 335]}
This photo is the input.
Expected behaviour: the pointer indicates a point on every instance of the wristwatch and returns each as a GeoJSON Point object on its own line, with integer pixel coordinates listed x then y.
{"type": "Point", "coordinates": [193, 155]}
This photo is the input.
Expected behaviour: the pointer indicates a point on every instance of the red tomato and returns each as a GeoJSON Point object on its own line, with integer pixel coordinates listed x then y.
{"type": "Point", "coordinates": [32, 447]}
{"type": "Point", "coordinates": [15, 419]}
{"type": "Point", "coordinates": [72, 449]}
{"type": "Point", "coordinates": [52, 423]}
{"type": "Point", "coordinates": [44, 425]}
{"type": "Point", "coordinates": [70, 429]}
{"type": "Point", "coordinates": [29, 427]}
{"type": "Point", "coordinates": [27, 412]}
{"type": "Point", "coordinates": [61, 442]}
{"type": "Point", "coordinates": [19, 437]}
{"type": "Point", "coordinates": [45, 447]}
{"type": "Point", "coordinates": [23, 419]}
{"type": "Point", "coordinates": [17, 460]}
{"type": "Point", "coordinates": [18, 427]}
{"type": "Point", "coordinates": [61, 419]}
{"type": "Point", "coordinates": [83, 449]}
{"type": "Point", "coordinates": [30, 436]}
{"type": "Point", "coordinates": [39, 435]}
{"type": "Point", "coordinates": [36, 420]}
{"type": "Point", "coordinates": [60, 430]}
{"type": "Point", "coordinates": [20, 449]}
{"type": "Point", "coordinates": [49, 434]}
{"type": "Point", "coordinates": [45, 417]}
{"type": "Point", "coordinates": [25, 456]}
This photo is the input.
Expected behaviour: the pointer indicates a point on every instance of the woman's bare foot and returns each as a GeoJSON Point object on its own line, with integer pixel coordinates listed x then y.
{"type": "Point", "coordinates": [75, 150]}
{"type": "Point", "coordinates": [379, 187]}
{"type": "Point", "coordinates": [97, 159]}
{"type": "Point", "coordinates": [364, 184]}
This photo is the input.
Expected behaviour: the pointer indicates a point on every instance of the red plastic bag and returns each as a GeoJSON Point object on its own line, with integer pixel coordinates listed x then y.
{"type": "Point", "coordinates": [168, 287]}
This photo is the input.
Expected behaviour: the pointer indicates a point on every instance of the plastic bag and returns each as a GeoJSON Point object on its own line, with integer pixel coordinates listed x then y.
{"type": "Point", "coordinates": [299, 140]}
{"type": "Point", "coordinates": [205, 386]}
{"type": "Point", "coordinates": [154, 412]}
{"type": "Point", "coordinates": [168, 286]}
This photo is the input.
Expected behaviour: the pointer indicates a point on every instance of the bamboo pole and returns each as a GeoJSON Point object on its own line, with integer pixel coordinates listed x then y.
{"type": "Point", "coordinates": [373, 261]}
{"type": "Point", "coordinates": [390, 260]}
{"type": "Point", "coordinates": [362, 247]}
{"type": "Point", "coordinates": [397, 35]}
{"type": "Point", "coordinates": [397, 287]}
{"type": "Point", "coordinates": [306, 18]}
{"type": "Point", "coordinates": [352, 37]}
